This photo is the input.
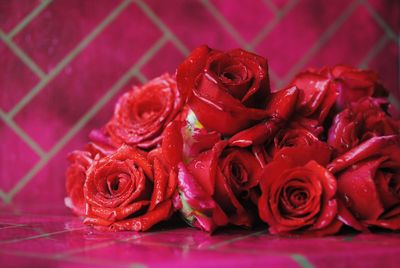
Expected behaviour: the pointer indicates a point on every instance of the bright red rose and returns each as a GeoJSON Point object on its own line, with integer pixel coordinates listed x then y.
{"type": "Point", "coordinates": [298, 192]}
{"type": "Point", "coordinates": [141, 114]}
{"type": "Point", "coordinates": [361, 121]}
{"type": "Point", "coordinates": [75, 179]}
{"type": "Point", "coordinates": [76, 175]}
{"type": "Point", "coordinates": [227, 91]}
{"type": "Point", "coordinates": [128, 190]}
{"type": "Point", "coordinates": [369, 183]}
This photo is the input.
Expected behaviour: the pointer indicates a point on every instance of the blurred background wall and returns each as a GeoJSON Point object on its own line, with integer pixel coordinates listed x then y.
{"type": "Point", "coordinates": [63, 64]}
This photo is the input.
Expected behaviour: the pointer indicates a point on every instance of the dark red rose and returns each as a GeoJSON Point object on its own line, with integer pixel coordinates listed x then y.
{"type": "Point", "coordinates": [369, 183]}
{"type": "Point", "coordinates": [298, 192]}
{"type": "Point", "coordinates": [353, 84]}
{"type": "Point", "coordinates": [217, 183]}
{"type": "Point", "coordinates": [76, 175]}
{"type": "Point", "coordinates": [226, 90]}
{"type": "Point", "coordinates": [308, 124]}
{"type": "Point", "coordinates": [340, 85]}
{"type": "Point", "coordinates": [316, 95]}
{"type": "Point", "coordinates": [141, 114]}
{"type": "Point", "coordinates": [279, 109]}
{"type": "Point", "coordinates": [361, 121]}
{"type": "Point", "coordinates": [284, 138]}
{"type": "Point", "coordinates": [128, 190]}
{"type": "Point", "coordinates": [217, 187]}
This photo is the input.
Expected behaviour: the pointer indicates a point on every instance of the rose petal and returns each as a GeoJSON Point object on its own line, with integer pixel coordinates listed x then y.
{"type": "Point", "coordinates": [142, 223]}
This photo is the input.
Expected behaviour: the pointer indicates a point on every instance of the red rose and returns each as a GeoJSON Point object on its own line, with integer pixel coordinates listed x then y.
{"type": "Point", "coordinates": [354, 84]}
{"type": "Point", "coordinates": [75, 179]}
{"type": "Point", "coordinates": [141, 114]}
{"type": "Point", "coordinates": [340, 85]}
{"type": "Point", "coordinates": [284, 138]}
{"type": "Point", "coordinates": [362, 120]}
{"type": "Point", "coordinates": [127, 190]}
{"type": "Point", "coordinates": [76, 175]}
{"type": "Point", "coordinates": [316, 95]}
{"type": "Point", "coordinates": [216, 185]}
{"type": "Point", "coordinates": [298, 192]}
{"type": "Point", "coordinates": [226, 90]}
{"type": "Point", "coordinates": [369, 183]}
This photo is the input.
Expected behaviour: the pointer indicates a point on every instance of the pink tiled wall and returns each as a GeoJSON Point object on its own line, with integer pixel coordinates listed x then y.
{"type": "Point", "coordinates": [65, 62]}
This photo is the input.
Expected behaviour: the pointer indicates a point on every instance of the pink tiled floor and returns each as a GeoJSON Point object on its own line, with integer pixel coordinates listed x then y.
{"type": "Point", "coordinates": [59, 240]}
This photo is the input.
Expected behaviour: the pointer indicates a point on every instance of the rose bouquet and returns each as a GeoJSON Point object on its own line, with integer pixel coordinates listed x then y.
{"type": "Point", "coordinates": [215, 144]}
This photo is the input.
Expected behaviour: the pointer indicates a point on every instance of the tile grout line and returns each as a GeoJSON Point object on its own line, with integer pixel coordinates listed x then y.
{"type": "Point", "coordinates": [22, 134]}
{"type": "Point", "coordinates": [87, 116]}
{"type": "Point", "coordinates": [322, 40]}
{"type": "Point", "coordinates": [22, 56]}
{"type": "Point", "coordinates": [67, 59]}
{"type": "Point", "coordinates": [224, 22]}
{"type": "Point", "coordinates": [39, 236]}
{"type": "Point", "coordinates": [28, 18]}
{"type": "Point", "coordinates": [272, 24]}
{"type": "Point", "coordinates": [161, 25]}
{"type": "Point", "coordinates": [50, 257]}
{"type": "Point", "coordinates": [142, 78]}
{"type": "Point", "coordinates": [70, 253]}
{"type": "Point", "coordinates": [301, 260]}
{"type": "Point", "coordinates": [3, 196]}
{"type": "Point", "coordinates": [226, 242]}
{"type": "Point", "coordinates": [374, 51]}
{"type": "Point", "coordinates": [381, 22]}
{"type": "Point", "coordinates": [10, 227]}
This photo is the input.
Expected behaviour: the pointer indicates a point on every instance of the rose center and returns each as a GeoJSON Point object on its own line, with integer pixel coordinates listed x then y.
{"type": "Point", "coordinates": [235, 170]}
{"type": "Point", "coordinates": [116, 184]}
{"type": "Point", "coordinates": [297, 197]}
{"type": "Point", "coordinates": [226, 76]}
{"type": "Point", "coordinates": [394, 185]}
{"type": "Point", "coordinates": [147, 109]}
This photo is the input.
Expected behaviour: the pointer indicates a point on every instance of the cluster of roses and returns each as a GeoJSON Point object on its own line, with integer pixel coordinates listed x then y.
{"type": "Point", "coordinates": [219, 147]}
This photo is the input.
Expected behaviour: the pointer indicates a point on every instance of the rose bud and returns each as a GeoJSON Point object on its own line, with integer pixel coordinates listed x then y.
{"type": "Point", "coordinates": [369, 183]}
{"type": "Point", "coordinates": [76, 175]}
{"type": "Point", "coordinates": [127, 190]}
{"type": "Point", "coordinates": [227, 91]}
{"type": "Point", "coordinates": [298, 192]}
{"type": "Point", "coordinates": [361, 121]}
{"type": "Point", "coordinates": [217, 183]}
{"type": "Point", "coordinates": [141, 114]}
